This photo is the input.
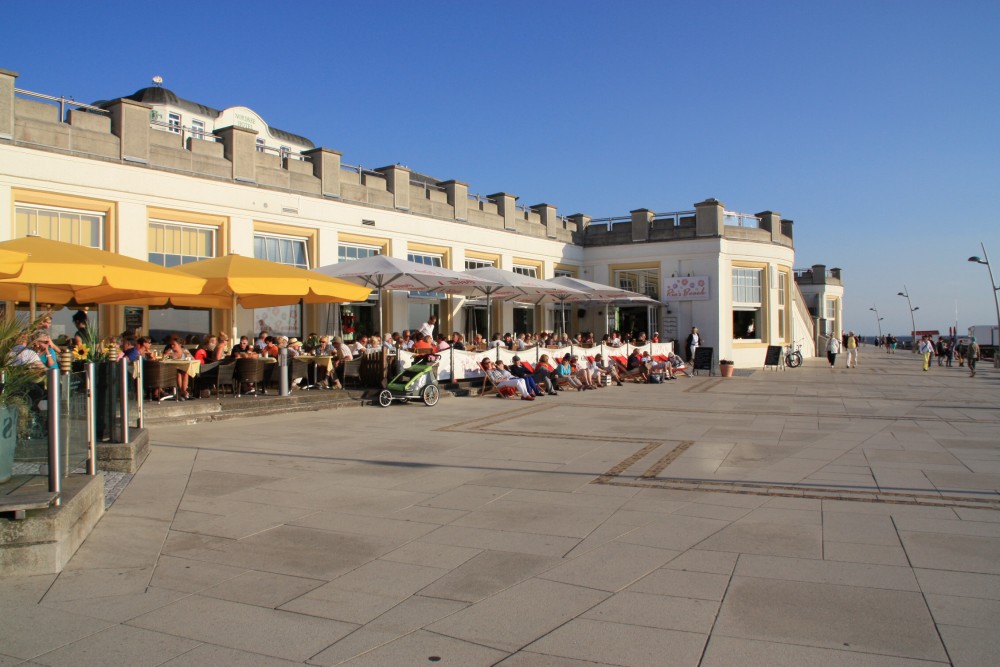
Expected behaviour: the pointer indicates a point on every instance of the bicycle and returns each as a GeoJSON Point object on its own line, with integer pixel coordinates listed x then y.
{"type": "Point", "coordinates": [793, 357]}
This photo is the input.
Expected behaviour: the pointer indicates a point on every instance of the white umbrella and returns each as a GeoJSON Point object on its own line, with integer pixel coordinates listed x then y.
{"type": "Point", "coordinates": [382, 272]}
{"type": "Point", "coordinates": [508, 285]}
{"type": "Point", "coordinates": [584, 290]}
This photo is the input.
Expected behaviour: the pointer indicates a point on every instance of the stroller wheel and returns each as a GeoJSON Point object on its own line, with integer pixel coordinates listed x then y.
{"type": "Point", "coordinates": [431, 394]}
{"type": "Point", "coordinates": [385, 398]}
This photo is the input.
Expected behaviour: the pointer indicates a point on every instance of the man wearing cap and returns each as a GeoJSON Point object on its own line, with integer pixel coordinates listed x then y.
{"type": "Point", "coordinates": [519, 371]}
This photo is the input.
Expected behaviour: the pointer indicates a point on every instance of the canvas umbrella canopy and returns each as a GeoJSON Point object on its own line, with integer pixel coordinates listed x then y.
{"type": "Point", "coordinates": [514, 286]}
{"type": "Point", "coordinates": [382, 272]}
{"type": "Point", "coordinates": [56, 272]}
{"type": "Point", "coordinates": [11, 263]}
{"type": "Point", "coordinates": [233, 280]}
{"type": "Point", "coordinates": [590, 291]}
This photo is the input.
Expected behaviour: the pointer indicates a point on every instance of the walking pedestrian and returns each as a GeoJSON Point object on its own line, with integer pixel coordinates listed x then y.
{"type": "Point", "coordinates": [852, 349]}
{"type": "Point", "coordinates": [972, 356]}
{"type": "Point", "coordinates": [833, 348]}
{"type": "Point", "coordinates": [926, 348]}
{"type": "Point", "coordinates": [693, 341]}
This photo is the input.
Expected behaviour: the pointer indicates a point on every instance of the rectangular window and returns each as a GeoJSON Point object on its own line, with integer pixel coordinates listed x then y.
{"type": "Point", "coordinates": [347, 252]}
{"type": "Point", "coordinates": [198, 128]}
{"type": "Point", "coordinates": [285, 152]}
{"type": "Point", "coordinates": [174, 122]}
{"type": "Point", "coordinates": [176, 243]}
{"type": "Point", "coordinates": [281, 249]}
{"type": "Point", "coordinates": [529, 271]}
{"type": "Point", "coordinates": [260, 145]}
{"type": "Point", "coordinates": [562, 273]}
{"type": "Point", "coordinates": [292, 251]}
{"type": "Point", "coordinates": [477, 264]}
{"type": "Point", "coordinates": [84, 228]}
{"type": "Point", "coordinates": [643, 281]}
{"type": "Point", "coordinates": [748, 303]}
{"type": "Point", "coordinates": [427, 260]}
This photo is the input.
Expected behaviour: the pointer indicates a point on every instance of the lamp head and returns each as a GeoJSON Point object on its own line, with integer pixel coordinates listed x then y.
{"type": "Point", "coordinates": [900, 294]}
{"type": "Point", "coordinates": [916, 308]}
{"type": "Point", "coordinates": [976, 259]}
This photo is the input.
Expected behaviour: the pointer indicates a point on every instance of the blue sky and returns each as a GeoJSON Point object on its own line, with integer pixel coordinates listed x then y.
{"type": "Point", "coordinates": [873, 125]}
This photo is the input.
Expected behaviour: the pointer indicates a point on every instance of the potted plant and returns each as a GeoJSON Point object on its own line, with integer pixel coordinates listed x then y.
{"type": "Point", "coordinates": [19, 387]}
{"type": "Point", "coordinates": [726, 367]}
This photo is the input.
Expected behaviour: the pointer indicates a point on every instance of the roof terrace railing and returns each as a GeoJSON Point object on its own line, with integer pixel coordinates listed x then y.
{"type": "Point", "coordinates": [358, 169]}
{"type": "Point", "coordinates": [735, 219]}
{"type": "Point", "coordinates": [63, 102]}
{"type": "Point", "coordinates": [183, 130]}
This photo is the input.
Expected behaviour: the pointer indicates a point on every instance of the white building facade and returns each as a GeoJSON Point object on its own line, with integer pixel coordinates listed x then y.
{"type": "Point", "coordinates": [123, 179]}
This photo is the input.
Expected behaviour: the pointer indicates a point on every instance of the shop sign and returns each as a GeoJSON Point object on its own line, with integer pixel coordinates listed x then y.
{"type": "Point", "coordinates": [691, 288]}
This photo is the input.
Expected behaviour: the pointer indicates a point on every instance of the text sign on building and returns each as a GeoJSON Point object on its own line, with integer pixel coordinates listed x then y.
{"type": "Point", "coordinates": [691, 288]}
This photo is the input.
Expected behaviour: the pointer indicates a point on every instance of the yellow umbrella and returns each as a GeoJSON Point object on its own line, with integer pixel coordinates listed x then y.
{"type": "Point", "coordinates": [11, 263]}
{"type": "Point", "coordinates": [234, 280]}
{"type": "Point", "coordinates": [56, 272]}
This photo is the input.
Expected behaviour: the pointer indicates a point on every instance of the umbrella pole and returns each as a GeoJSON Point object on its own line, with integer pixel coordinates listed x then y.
{"type": "Point", "coordinates": [32, 293]}
{"type": "Point", "coordinates": [235, 339]}
{"type": "Point", "coordinates": [562, 309]}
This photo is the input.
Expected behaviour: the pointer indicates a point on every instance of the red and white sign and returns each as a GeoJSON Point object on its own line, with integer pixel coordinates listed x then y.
{"type": "Point", "coordinates": [691, 288]}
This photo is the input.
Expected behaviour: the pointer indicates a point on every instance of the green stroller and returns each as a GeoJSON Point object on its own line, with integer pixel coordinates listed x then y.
{"type": "Point", "coordinates": [419, 381]}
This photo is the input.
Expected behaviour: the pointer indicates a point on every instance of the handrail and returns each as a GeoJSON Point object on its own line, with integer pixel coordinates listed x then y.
{"type": "Point", "coordinates": [183, 130]}
{"type": "Point", "coordinates": [63, 102]}
{"type": "Point", "coordinates": [742, 219]}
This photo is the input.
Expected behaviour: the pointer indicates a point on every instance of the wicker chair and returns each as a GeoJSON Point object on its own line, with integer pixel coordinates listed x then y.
{"type": "Point", "coordinates": [218, 375]}
{"type": "Point", "coordinates": [159, 376]}
{"type": "Point", "coordinates": [249, 371]}
{"type": "Point", "coordinates": [301, 370]}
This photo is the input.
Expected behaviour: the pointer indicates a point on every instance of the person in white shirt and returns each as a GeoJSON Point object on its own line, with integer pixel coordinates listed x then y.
{"type": "Point", "coordinates": [427, 328]}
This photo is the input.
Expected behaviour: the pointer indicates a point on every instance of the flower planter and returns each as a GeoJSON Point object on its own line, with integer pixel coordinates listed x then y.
{"type": "Point", "coordinates": [726, 370]}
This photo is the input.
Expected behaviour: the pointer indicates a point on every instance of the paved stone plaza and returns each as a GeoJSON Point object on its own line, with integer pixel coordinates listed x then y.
{"type": "Point", "coordinates": [805, 517]}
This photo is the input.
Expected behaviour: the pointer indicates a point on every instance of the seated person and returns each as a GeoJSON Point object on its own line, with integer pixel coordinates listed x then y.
{"type": "Point", "coordinates": [270, 347]}
{"type": "Point", "coordinates": [634, 368]}
{"type": "Point", "coordinates": [528, 379]}
{"type": "Point", "coordinates": [457, 341]}
{"type": "Point", "coordinates": [206, 351]}
{"type": "Point", "coordinates": [676, 364]}
{"type": "Point", "coordinates": [503, 379]}
{"type": "Point", "coordinates": [243, 350]}
{"type": "Point", "coordinates": [176, 351]}
{"type": "Point", "coordinates": [544, 373]}
{"type": "Point", "coordinates": [564, 374]}
{"type": "Point", "coordinates": [222, 347]}
{"type": "Point", "coordinates": [582, 372]}
{"type": "Point", "coordinates": [423, 346]}
{"type": "Point", "coordinates": [43, 347]}
{"type": "Point", "coordinates": [601, 368]}
{"type": "Point", "coordinates": [655, 366]}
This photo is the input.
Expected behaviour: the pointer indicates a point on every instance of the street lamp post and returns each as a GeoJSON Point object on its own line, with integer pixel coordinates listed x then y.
{"type": "Point", "coordinates": [986, 260]}
{"type": "Point", "coordinates": [913, 323]}
{"type": "Point", "coordinates": [878, 321]}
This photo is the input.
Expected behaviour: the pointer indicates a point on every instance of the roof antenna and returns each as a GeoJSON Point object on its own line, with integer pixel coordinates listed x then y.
{"type": "Point", "coordinates": [157, 80]}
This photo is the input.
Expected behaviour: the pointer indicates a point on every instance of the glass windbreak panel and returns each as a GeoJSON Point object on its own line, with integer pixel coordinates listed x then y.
{"type": "Point", "coordinates": [74, 445]}
{"type": "Point", "coordinates": [32, 429]}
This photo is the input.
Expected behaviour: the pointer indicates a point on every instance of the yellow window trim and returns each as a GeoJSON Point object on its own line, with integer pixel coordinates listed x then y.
{"type": "Point", "coordinates": [384, 244]}
{"type": "Point", "coordinates": [573, 270]}
{"type": "Point", "coordinates": [428, 249]}
{"type": "Point", "coordinates": [310, 234]}
{"type": "Point", "coordinates": [38, 198]}
{"type": "Point", "coordinates": [483, 257]}
{"type": "Point", "coordinates": [537, 264]}
{"type": "Point", "coordinates": [220, 222]}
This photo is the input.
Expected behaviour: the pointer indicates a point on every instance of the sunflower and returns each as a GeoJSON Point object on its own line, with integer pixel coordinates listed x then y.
{"type": "Point", "coordinates": [81, 352]}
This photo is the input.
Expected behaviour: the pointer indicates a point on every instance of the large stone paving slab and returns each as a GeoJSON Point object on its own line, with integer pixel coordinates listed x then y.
{"type": "Point", "coordinates": [884, 622]}
{"type": "Point", "coordinates": [812, 517]}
